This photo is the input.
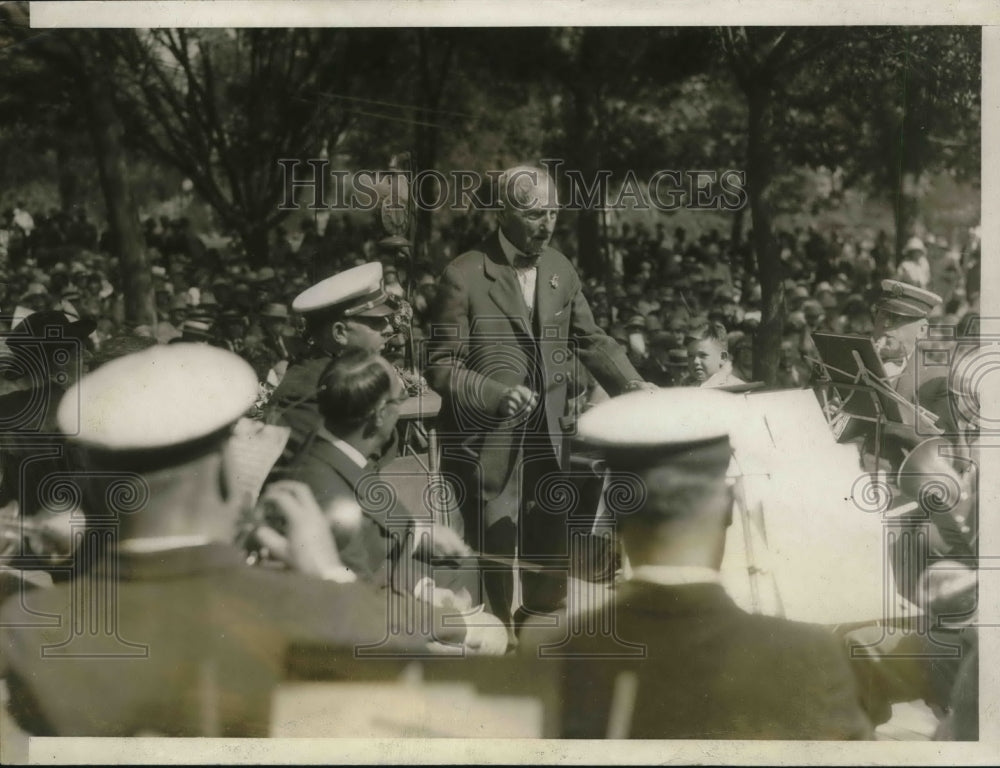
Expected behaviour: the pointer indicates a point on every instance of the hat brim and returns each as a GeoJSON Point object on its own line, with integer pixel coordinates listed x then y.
{"type": "Point", "coordinates": [379, 310]}
{"type": "Point", "coordinates": [395, 241]}
{"type": "Point", "coordinates": [902, 308]}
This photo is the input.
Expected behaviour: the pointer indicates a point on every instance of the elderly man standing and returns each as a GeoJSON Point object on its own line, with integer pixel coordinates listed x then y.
{"type": "Point", "coordinates": [509, 324]}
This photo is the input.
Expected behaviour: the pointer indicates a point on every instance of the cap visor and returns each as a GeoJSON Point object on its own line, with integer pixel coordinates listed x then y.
{"type": "Point", "coordinates": [380, 310]}
{"type": "Point", "coordinates": [902, 308]}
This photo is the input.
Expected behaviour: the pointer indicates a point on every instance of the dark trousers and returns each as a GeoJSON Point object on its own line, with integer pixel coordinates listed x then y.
{"type": "Point", "coordinates": [527, 519]}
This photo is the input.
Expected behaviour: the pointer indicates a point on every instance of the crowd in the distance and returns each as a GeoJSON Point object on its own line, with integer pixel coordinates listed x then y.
{"type": "Point", "coordinates": [663, 296]}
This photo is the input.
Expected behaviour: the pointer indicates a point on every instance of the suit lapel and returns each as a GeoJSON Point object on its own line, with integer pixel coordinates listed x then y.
{"type": "Point", "coordinates": [505, 291]}
{"type": "Point", "coordinates": [357, 478]}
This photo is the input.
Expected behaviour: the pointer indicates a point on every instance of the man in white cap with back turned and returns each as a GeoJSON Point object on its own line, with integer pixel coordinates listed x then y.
{"type": "Point", "coordinates": [349, 311]}
{"type": "Point", "coordinates": [710, 670]}
{"type": "Point", "coordinates": [165, 629]}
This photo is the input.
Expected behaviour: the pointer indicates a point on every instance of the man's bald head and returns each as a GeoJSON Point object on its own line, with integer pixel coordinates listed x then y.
{"type": "Point", "coordinates": [527, 186]}
{"type": "Point", "coordinates": [529, 206]}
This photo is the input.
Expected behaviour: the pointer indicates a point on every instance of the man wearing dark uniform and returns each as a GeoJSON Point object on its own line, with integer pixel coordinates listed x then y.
{"type": "Point", "coordinates": [707, 670]}
{"type": "Point", "coordinates": [165, 629]}
{"type": "Point", "coordinates": [346, 312]}
{"type": "Point", "coordinates": [899, 326]}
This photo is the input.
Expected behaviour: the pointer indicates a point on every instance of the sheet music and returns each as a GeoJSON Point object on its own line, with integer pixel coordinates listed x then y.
{"type": "Point", "coordinates": [254, 449]}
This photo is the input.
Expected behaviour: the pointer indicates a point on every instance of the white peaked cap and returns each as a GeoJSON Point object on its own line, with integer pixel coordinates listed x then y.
{"type": "Point", "coordinates": [359, 291]}
{"type": "Point", "coordinates": [161, 397]}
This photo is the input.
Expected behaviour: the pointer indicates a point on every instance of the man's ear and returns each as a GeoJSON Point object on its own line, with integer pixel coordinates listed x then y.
{"type": "Point", "coordinates": [375, 420]}
{"type": "Point", "coordinates": [338, 332]}
{"type": "Point", "coordinates": [924, 326]}
{"type": "Point", "coordinates": [725, 354]}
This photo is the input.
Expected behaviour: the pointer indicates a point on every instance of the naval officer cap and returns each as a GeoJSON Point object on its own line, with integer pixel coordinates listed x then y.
{"type": "Point", "coordinates": [682, 427]}
{"type": "Point", "coordinates": [166, 404]}
{"type": "Point", "coordinates": [356, 292]}
{"type": "Point", "coordinates": [906, 300]}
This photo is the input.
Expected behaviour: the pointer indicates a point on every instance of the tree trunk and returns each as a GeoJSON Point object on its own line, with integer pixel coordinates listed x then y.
{"type": "Point", "coordinates": [123, 220]}
{"type": "Point", "coordinates": [253, 235]}
{"type": "Point", "coordinates": [736, 242]}
{"type": "Point", "coordinates": [760, 167]}
{"type": "Point", "coordinates": [427, 133]}
{"type": "Point", "coordinates": [68, 184]}
{"type": "Point", "coordinates": [423, 219]}
{"type": "Point", "coordinates": [589, 236]}
{"type": "Point", "coordinates": [584, 155]}
{"type": "Point", "coordinates": [905, 211]}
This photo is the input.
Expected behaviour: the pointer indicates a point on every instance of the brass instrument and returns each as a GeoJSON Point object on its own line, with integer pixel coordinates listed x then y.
{"type": "Point", "coordinates": [43, 539]}
{"type": "Point", "coordinates": [929, 476]}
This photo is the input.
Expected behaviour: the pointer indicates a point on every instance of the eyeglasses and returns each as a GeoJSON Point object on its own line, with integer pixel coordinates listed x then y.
{"type": "Point", "coordinates": [375, 323]}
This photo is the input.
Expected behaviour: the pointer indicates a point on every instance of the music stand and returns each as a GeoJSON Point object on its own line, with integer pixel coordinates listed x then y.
{"type": "Point", "coordinates": [855, 371]}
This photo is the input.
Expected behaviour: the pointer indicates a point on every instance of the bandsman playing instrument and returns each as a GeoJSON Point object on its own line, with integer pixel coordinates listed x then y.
{"type": "Point", "coordinates": [187, 640]}
{"type": "Point", "coordinates": [709, 670]}
{"type": "Point", "coordinates": [899, 325]}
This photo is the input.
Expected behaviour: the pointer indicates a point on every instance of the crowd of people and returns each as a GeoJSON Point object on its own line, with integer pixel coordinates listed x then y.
{"type": "Point", "coordinates": [326, 337]}
{"type": "Point", "coordinates": [658, 287]}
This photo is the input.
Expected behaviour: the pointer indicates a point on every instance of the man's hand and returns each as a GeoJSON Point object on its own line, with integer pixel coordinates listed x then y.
{"type": "Point", "coordinates": [950, 587]}
{"type": "Point", "coordinates": [309, 546]}
{"type": "Point", "coordinates": [485, 634]}
{"type": "Point", "coordinates": [638, 385]}
{"type": "Point", "coordinates": [51, 534]}
{"type": "Point", "coordinates": [517, 401]}
{"type": "Point", "coordinates": [441, 597]}
{"type": "Point", "coordinates": [442, 542]}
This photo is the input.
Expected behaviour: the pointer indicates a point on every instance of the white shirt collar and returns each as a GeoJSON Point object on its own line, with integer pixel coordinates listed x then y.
{"type": "Point", "coordinates": [349, 450]}
{"type": "Point", "coordinates": [674, 575]}
{"type": "Point", "coordinates": [161, 543]}
{"type": "Point", "coordinates": [722, 377]}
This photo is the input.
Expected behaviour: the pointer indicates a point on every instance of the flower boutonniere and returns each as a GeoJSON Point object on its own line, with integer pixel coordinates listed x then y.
{"type": "Point", "coordinates": [554, 282]}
